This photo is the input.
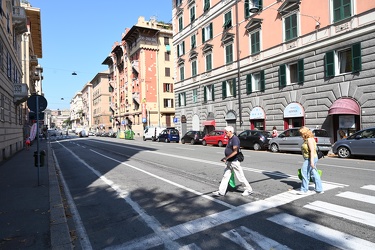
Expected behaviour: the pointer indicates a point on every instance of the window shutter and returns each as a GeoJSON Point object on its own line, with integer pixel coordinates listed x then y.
{"type": "Point", "coordinates": [301, 71]}
{"type": "Point", "coordinates": [179, 100]}
{"type": "Point", "coordinates": [224, 87]}
{"type": "Point", "coordinates": [184, 99]}
{"type": "Point", "coordinates": [235, 88]}
{"type": "Point", "coordinates": [248, 84]}
{"type": "Point", "coordinates": [246, 7]}
{"type": "Point", "coordinates": [211, 31]}
{"type": "Point", "coordinates": [178, 50]}
{"type": "Point", "coordinates": [171, 87]}
{"type": "Point", "coordinates": [330, 64]}
{"type": "Point", "coordinates": [213, 92]}
{"type": "Point", "coordinates": [356, 57]}
{"type": "Point", "coordinates": [282, 76]}
{"type": "Point", "coordinates": [262, 81]}
{"type": "Point", "coordinates": [183, 47]}
{"type": "Point", "coordinates": [203, 38]}
{"type": "Point", "coordinates": [165, 87]}
{"type": "Point", "coordinates": [204, 94]}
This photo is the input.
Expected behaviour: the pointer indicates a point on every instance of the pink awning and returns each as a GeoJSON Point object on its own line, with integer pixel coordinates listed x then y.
{"type": "Point", "coordinates": [209, 123]}
{"type": "Point", "coordinates": [344, 106]}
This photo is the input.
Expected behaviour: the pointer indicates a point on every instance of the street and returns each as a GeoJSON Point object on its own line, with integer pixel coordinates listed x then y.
{"type": "Point", "coordinates": [134, 194]}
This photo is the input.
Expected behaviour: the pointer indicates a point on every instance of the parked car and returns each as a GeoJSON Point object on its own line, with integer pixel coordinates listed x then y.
{"type": "Point", "coordinates": [291, 140]}
{"type": "Point", "coordinates": [215, 137]}
{"type": "Point", "coordinates": [152, 133]}
{"type": "Point", "coordinates": [255, 139]}
{"type": "Point", "coordinates": [83, 133]}
{"type": "Point", "coordinates": [193, 137]}
{"type": "Point", "coordinates": [169, 135]}
{"type": "Point", "coordinates": [359, 143]}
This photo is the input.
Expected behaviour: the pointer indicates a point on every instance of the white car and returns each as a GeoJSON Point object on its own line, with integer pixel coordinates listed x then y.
{"type": "Point", "coordinates": [152, 133]}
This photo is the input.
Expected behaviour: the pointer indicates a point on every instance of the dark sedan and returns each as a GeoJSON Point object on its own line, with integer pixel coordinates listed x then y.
{"type": "Point", "coordinates": [193, 137]}
{"type": "Point", "coordinates": [255, 139]}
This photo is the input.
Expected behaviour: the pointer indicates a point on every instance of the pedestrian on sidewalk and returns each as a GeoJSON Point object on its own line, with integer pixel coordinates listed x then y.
{"type": "Point", "coordinates": [232, 164]}
{"type": "Point", "coordinates": [28, 143]}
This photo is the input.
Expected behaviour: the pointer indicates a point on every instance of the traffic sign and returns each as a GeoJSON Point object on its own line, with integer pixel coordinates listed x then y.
{"type": "Point", "coordinates": [33, 99]}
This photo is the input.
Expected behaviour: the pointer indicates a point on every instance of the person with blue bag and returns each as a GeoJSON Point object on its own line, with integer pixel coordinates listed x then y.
{"type": "Point", "coordinates": [309, 166]}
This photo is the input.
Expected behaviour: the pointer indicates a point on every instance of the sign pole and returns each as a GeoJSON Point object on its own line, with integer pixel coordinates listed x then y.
{"type": "Point", "coordinates": [37, 140]}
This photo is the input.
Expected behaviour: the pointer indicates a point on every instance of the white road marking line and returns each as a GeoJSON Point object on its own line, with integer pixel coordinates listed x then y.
{"type": "Point", "coordinates": [322, 233]}
{"type": "Point", "coordinates": [369, 187]}
{"type": "Point", "coordinates": [246, 238]}
{"type": "Point", "coordinates": [358, 197]}
{"type": "Point", "coordinates": [343, 212]}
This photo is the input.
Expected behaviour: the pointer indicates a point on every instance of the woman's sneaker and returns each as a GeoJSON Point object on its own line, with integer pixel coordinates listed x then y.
{"type": "Point", "coordinates": [247, 193]}
{"type": "Point", "coordinates": [217, 193]}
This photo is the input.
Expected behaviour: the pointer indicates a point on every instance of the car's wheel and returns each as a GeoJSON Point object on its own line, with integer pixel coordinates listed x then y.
{"type": "Point", "coordinates": [144, 138]}
{"type": "Point", "coordinates": [192, 142]}
{"type": "Point", "coordinates": [257, 146]}
{"type": "Point", "coordinates": [166, 140]}
{"type": "Point", "coordinates": [343, 152]}
{"type": "Point", "coordinates": [204, 143]}
{"type": "Point", "coordinates": [183, 141]}
{"type": "Point", "coordinates": [220, 143]}
{"type": "Point", "coordinates": [274, 147]}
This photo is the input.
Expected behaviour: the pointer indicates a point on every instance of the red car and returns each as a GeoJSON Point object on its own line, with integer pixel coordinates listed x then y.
{"type": "Point", "coordinates": [215, 137]}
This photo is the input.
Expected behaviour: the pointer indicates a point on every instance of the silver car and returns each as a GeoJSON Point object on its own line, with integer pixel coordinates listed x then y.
{"type": "Point", "coordinates": [291, 140]}
{"type": "Point", "coordinates": [359, 143]}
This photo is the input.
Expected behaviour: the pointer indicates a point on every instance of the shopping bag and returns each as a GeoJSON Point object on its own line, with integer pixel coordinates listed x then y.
{"type": "Point", "coordinates": [232, 181]}
{"type": "Point", "coordinates": [320, 172]}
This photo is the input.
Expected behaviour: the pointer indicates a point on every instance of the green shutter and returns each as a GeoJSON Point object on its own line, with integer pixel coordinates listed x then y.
{"type": "Point", "coordinates": [330, 64]}
{"type": "Point", "coordinates": [213, 92]}
{"type": "Point", "coordinates": [248, 84]}
{"type": "Point", "coordinates": [203, 38]}
{"type": "Point", "coordinates": [356, 57]}
{"type": "Point", "coordinates": [301, 71]}
{"type": "Point", "coordinates": [282, 76]}
{"type": "Point", "coordinates": [224, 87]}
{"type": "Point", "coordinates": [262, 81]}
{"type": "Point", "coordinates": [234, 88]}
{"type": "Point", "coordinates": [179, 100]}
{"type": "Point", "coordinates": [211, 31]}
{"type": "Point", "coordinates": [185, 99]}
{"type": "Point", "coordinates": [246, 8]}
{"type": "Point", "coordinates": [204, 94]}
{"type": "Point", "coordinates": [183, 47]}
{"type": "Point", "coordinates": [178, 50]}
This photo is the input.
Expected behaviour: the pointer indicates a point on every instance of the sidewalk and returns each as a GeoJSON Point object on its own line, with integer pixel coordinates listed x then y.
{"type": "Point", "coordinates": [31, 211]}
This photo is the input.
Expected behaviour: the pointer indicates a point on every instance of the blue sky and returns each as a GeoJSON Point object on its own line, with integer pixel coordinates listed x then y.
{"type": "Point", "coordinates": [77, 35]}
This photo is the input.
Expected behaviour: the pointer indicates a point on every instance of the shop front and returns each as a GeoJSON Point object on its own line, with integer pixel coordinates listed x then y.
{"type": "Point", "coordinates": [294, 116]}
{"type": "Point", "coordinates": [257, 118]}
{"type": "Point", "coordinates": [345, 117]}
{"type": "Point", "coordinates": [210, 124]}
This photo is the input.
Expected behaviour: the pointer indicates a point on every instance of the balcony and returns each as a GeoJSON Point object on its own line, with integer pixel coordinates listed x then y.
{"type": "Point", "coordinates": [34, 60]}
{"type": "Point", "coordinates": [20, 93]}
{"type": "Point", "coordinates": [135, 65]}
{"type": "Point", "coordinates": [19, 19]}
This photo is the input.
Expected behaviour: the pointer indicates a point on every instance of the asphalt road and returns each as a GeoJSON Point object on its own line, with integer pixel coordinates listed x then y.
{"type": "Point", "coordinates": [134, 194]}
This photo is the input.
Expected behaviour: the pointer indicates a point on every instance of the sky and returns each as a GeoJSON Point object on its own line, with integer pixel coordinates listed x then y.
{"type": "Point", "coordinates": [78, 35]}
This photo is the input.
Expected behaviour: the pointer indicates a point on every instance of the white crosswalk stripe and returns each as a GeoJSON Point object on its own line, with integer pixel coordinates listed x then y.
{"type": "Point", "coordinates": [322, 233]}
{"type": "Point", "coordinates": [369, 187]}
{"type": "Point", "coordinates": [358, 197]}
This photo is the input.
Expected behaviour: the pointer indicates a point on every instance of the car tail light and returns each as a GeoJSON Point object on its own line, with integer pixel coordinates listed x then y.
{"type": "Point", "coordinates": [316, 139]}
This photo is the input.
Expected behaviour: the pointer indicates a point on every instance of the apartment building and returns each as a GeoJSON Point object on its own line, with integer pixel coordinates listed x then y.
{"type": "Point", "coordinates": [18, 57]}
{"type": "Point", "coordinates": [285, 63]}
{"type": "Point", "coordinates": [141, 77]}
{"type": "Point", "coordinates": [87, 106]}
{"type": "Point", "coordinates": [101, 120]}
{"type": "Point", "coordinates": [76, 112]}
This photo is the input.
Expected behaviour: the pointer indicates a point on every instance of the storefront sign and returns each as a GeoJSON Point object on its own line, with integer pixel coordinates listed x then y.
{"type": "Point", "coordinates": [144, 113]}
{"type": "Point", "coordinates": [257, 113]}
{"type": "Point", "coordinates": [294, 110]}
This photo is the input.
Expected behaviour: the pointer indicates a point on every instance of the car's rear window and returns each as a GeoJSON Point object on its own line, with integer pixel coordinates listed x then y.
{"type": "Point", "coordinates": [174, 132]}
{"type": "Point", "coordinates": [320, 133]}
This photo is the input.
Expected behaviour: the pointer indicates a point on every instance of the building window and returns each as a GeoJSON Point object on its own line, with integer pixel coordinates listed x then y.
{"type": "Point", "coordinates": [178, 3]}
{"type": "Point", "coordinates": [229, 88]}
{"type": "Point", "coordinates": [291, 73]}
{"type": "Point", "coordinates": [166, 40]}
{"type": "Point", "coordinates": [206, 5]}
{"type": "Point", "coordinates": [168, 103]}
{"type": "Point", "coordinates": [195, 95]}
{"type": "Point", "coordinates": [180, 24]}
{"type": "Point", "coordinates": [227, 20]}
{"type": "Point", "coordinates": [209, 94]}
{"type": "Point", "coordinates": [229, 53]}
{"type": "Point", "coordinates": [182, 99]}
{"type": "Point", "coordinates": [194, 68]}
{"type": "Point", "coordinates": [192, 14]}
{"type": "Point", "coordinates": [167, 72]}
{"type": "Point", "coordinates": [207, 33]}
{"type": "Point", "coordinates": [182, 73]}
{"type": "Point", "coordinates": [168, 87]}
{"type": "Point", "coordinates": [342, 9]}
{"type": "Point", "coordinates": [208, 58]}
{"type": "Point", "coordinates": [255, 82]}
{"type": "Point", "coordinates": [255, 42]}
{"type": "Point", "coordinates": [193, 41]}
{"type": "Point", "coordinates": [343, 61]}
{"type": "Point", "coordinates": [290, 24]}
{"type": "Point", "coordinates": [252, 6]}
{"type": "Point", "coordinates": [181, 49]}
{"type": "Point", "coordinates": [167, 56]}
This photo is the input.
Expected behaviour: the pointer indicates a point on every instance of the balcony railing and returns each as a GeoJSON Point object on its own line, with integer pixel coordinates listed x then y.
{"type": "Point", "coordinates": [19, 19]}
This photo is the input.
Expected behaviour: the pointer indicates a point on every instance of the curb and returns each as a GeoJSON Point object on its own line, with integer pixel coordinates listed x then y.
{"type": "Point", "coordinates": [59, 230]}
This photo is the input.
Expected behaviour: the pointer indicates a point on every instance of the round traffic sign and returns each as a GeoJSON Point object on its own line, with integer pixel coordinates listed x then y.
{"type": "Point", "coordinates": [33, 99]}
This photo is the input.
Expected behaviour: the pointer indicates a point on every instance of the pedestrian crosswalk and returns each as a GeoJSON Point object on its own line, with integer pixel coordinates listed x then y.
{"type": "Point", "coordinates": [248, 239]}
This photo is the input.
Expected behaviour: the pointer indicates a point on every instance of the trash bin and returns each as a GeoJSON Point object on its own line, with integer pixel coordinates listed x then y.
{"type": "Point", "coordinates": [41, 156]}
{"type": "Point", "coordinates": [121, 134]}
{"type": "Point", "coordinates": [129, 134]}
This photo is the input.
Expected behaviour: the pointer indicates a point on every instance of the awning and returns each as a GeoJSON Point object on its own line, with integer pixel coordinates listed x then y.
{"type": "Point", "coordinates": [209, 123]}
{"type": "Point", "coordinates": [344, 106]}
